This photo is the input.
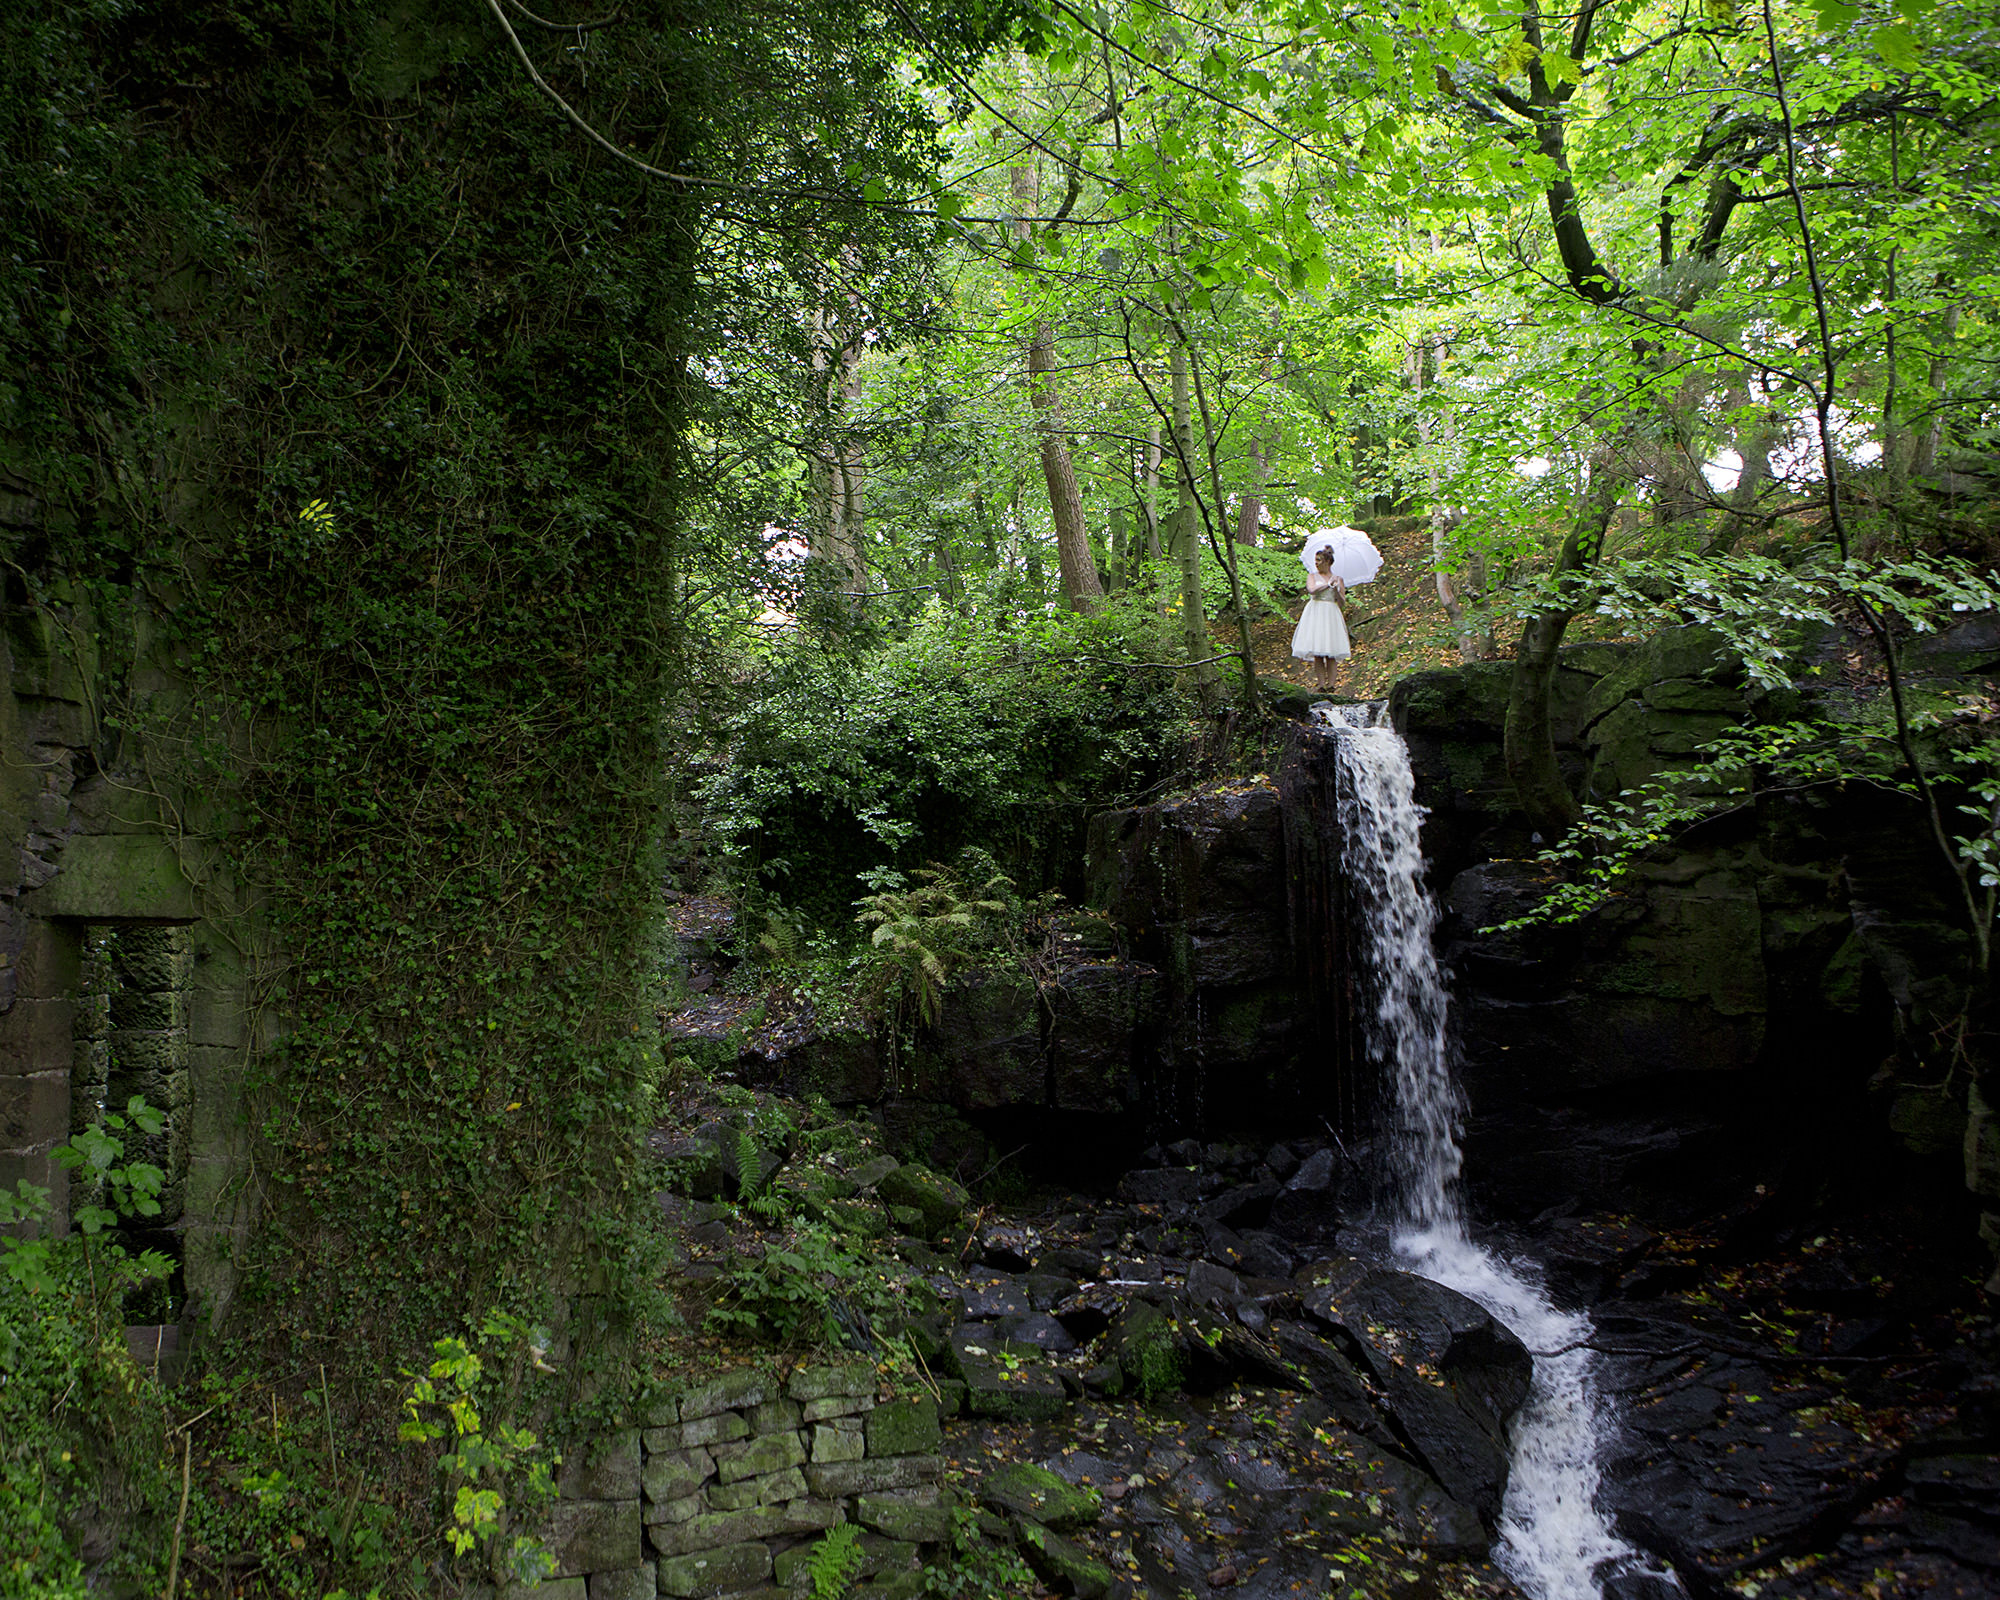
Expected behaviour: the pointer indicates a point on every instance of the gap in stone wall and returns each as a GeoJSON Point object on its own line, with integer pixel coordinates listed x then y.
{"type": "Point", "coordinates": [131, 1038]}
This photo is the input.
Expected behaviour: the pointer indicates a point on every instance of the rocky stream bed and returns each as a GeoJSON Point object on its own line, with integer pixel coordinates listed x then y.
{"type": "Point", "coordinates": [1211, 1348]}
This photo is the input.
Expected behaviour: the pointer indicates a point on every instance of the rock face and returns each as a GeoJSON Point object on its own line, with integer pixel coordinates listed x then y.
{"type": "Point", "coordinates": [1721, 1019]}
{"type": "Point", "coordinates": [1725, 1019]}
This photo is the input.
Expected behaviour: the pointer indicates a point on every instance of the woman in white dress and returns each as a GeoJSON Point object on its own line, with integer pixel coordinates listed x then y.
{"type": "Point", "coordinates": [1321, 636]}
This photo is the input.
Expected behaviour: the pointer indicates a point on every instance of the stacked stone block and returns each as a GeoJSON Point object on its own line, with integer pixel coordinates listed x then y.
{"type": "Point", "coordinates": [151, 972]}
{"type": "Point", "coordinates": [731, 1485]}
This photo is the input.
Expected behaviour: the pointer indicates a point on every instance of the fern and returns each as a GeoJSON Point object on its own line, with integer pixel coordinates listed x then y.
{"type": "Point", "coordinates": [835, 1562]}
{"type": "Point", "coordinates": [780, 940]}
{"type": "Point", "coordinates": [921, 935]}
{"type": "Point", "coordinates": [749, 1164]}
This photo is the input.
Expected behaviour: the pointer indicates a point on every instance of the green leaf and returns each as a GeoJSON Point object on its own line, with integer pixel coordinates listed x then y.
{"type": "Point", "coordinates": [1896, 45]}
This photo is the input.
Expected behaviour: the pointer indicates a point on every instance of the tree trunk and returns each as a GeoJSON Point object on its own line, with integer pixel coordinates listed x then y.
{"type": "Point", "coordinates": [1187, 537]}
{"type": "Point", "coordinates": [1754, 446]}
{"type": "Point", "coordinates": [1149, 500]}
{"type": "Point", "coordinates": [1250, 516]}
{"type": "Point", "coordinates": [1529, 743]}
{"type": "Point", "coordinates": [1080, 585]}
{"type": "Point", "coordinates": [1120, 548]}
{"type": "Point", "coordinates": [1923, 457]}
{"type": "Point", "coordinates": [835, 471]}
{"type": "Point", "coordinates": [1247, 656]}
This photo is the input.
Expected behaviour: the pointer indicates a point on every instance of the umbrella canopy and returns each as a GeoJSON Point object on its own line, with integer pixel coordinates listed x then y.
{"type": "Point", "coordinates": [1355, 558]}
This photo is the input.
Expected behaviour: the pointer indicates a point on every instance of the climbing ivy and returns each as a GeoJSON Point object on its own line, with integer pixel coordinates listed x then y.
{"type": "Point", "coordinates": [335, 352]}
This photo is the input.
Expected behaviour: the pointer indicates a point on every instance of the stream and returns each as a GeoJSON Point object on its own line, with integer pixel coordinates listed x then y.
{"type": "Point", "coordinates": [1554, 1541]}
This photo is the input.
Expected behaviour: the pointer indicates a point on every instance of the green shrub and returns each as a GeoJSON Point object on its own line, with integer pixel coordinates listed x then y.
{"type": "Point", "coordinates": [960, 732]}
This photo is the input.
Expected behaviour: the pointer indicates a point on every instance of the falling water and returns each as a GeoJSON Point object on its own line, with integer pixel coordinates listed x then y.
{"type": "Point", "coordinates": [1553, 1540]}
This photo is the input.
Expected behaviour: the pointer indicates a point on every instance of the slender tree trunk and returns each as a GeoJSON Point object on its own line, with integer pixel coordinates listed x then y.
{"type": "Point", "coordinates": [1149, 500]}
{"type": "Point", "coordinates": [1247, 655]}
{"type": "Point", "coordinates": [1767, 427]}
{"type": "Point", "coordinates": [1187, 536]}
{"type": "Point", "coordinates": [1473, 633]}
{"type": "Point", "coordinates": [1250, 516]}
{"type": "Point", "coordinates": [1529, 743]}
{"type": "Point", "coordinates": [835, 471]}
{"type": "Point", "coordinates": [1923, 457]}
{"type": "Point", "coordinates": [1120, 548]}
{"type": "Point", "coordinates": [1080, 585]}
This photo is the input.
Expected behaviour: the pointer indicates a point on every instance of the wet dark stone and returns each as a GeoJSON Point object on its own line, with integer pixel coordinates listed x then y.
{"type": "Point", "coordinates": [1039, 1329]}
{"type": "Point", "coordinates": [1161, 1186]}
{"type": "Point", "coordinates": [987, 1297]}
{"type": "Point", "coordinates": [1212, 1286]}
{"type": "Point", "coordinates": [1451, 1375]}
{"type": "Point", "coordinates": [1333, 1379]}
{"type": "Point", "coordinates": [1281, 1162]}
{"type": "Point", "coordinates": [1221, 1245]}
{"type": "Point", "coordinates": [1247, 1205]}
{"type": "Point", "coordinates": [1073, 1260]}
{"type": "Point", "coordinates": [1308, 1209]}
{"type": "Point", "coordinates": [1264, 1255]}
{"type": "Point", "coordinates": [1719, 1464]}
{"type": "Point", "coordinates": [1046, 1290]}
{"type": "Point", "coordinates": [1008, 1248]}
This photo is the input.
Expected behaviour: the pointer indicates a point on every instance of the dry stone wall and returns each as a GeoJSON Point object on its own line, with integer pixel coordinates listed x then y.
{"type": "Point", "coordinates": [726, 1488]}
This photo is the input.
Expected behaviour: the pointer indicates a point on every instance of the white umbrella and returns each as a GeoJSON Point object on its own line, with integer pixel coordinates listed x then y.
{"type": "Point", "coordinates": [1355, 558]}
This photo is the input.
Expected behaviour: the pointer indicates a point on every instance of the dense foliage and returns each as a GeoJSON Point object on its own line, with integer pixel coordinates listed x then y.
{"type": "Point", "coordinates": [1002, 731]}
{"type": "Point", "coordinates": [430, 407]}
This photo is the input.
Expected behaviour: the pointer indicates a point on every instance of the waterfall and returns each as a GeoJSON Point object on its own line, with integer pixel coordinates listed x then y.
{"type": "Point", "coordinates": [1553, 1541]}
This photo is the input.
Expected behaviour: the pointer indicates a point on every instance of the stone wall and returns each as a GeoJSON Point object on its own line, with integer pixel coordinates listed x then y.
{"type": "Point", "coordinates": [98, 848]}
{"type": "Point", "coordinates": [728, 1487]}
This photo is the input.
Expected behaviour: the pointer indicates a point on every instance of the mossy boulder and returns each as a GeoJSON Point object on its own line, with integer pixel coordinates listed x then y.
{"type": "Point", "coordinates": [1145, 1343]}
{"type": "Point", "coordinates": [1040, 1496]}
{"type": "Point", "coordinates": [1067, 1567]}
{"type": "Point", "coordinates": [940, 1201]}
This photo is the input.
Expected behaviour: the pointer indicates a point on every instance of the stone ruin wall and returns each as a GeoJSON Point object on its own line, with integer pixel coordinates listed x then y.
{"type": "Point", "coordinates": [725, 1490]}
{"type": "Point", "coordinates": [126, 965]}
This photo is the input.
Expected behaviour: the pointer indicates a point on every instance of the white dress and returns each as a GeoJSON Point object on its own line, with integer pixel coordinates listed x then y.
{"type": "Point", "coordinates": [1322, 630]}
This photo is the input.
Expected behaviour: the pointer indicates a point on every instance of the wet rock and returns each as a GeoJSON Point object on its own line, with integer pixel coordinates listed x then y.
{"type": "Point", "coordinates": [1161, 1186]}
{"type": "Point", "coordinates": [1213, 1286]}
{"type": "Point", "coordinates": [1039, 1329]}
{"type": "Point", "coordinates": [989, 1296]}
{"type": "Point", "coordinates": [1582, 1261]}
{"type": "Point", "coordinates": [1423, 1512]}
{"type": "Point", "coordinates": [710, 1164]}
{"type": "Point", "coordinates": [1063, 1564]}
{"type": "Point", "coordinates": [1073, 1260]}
{"type": "Point", "coordinates": [1038, 1494]}
{"type": "Point", "coordinates": [1333, 1377]}
{"type": "Point", "coordinates": [1008, 1247]}
{"type": "Point", "coordinates": [1046, 1290]}
{"type": "Point", "coordinates": [1264, 1255]}
{"type": "Point", "coordinates": [1007, 1382]}
{"type": "Point", "coordinates": [1247, 1205]}
{"type": "Point", "coordinates": [941, 1201]}
{"type": "Point", "coordinates": [986, 1045]}
{"type": "Point", "coordinates": [1308, 1209]}
{"type": "Point", "coordinates": [1221, 1245]}
{"type": "Point", "coordinates": [1711, 1468]}
{"type": "Point", "coordinates": [1145, 1346]}
{"type": "Point", "coordinates": [1281, 1162]}
{"type": "Point", "coordinates": [1450, 1374]}
{"type": "Point", "coordinates": [1088, 1313]}
{"type": "Point", "coordinates": [870, 1173]}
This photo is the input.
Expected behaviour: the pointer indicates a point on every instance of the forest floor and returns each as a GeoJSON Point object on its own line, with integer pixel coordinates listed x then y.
{"type": "Point", "coordinates": [1396, 623]}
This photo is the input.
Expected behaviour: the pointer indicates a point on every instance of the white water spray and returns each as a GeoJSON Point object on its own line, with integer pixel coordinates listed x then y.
{"type": "Point", "coordinates": [1553, 1540]}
